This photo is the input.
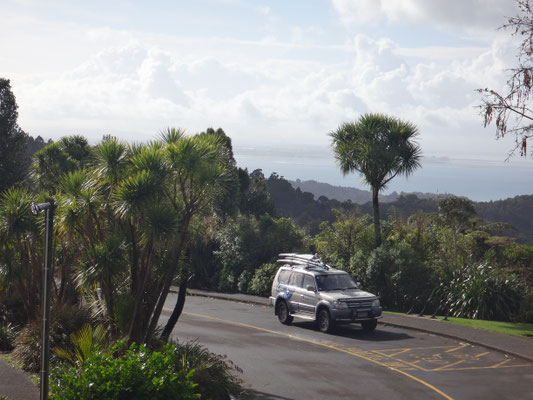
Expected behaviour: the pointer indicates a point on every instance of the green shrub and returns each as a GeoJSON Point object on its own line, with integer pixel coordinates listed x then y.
{"type": "Point", "coordinates": [244, 281]}
{"type": "Point", "coordinates": [261, 282]}
{"type": "Point", "coordinates": [136, 374]}
{"type": "Point", "coordinates": [213, 373]}
{"type": "Point", "coordinates": [481, 291]}
{"type": "Point", "coordinates": [64, 321]}
{"type": "Point", "coordinates": [394, 271]}
{"type": "Point", "coordinates": [8, 335]}
{"type": "Point", "coordinates": [526, 308]}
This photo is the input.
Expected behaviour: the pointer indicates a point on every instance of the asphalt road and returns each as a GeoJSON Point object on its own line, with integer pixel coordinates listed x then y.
{"type": "Point", "coordinates": [300, 362]}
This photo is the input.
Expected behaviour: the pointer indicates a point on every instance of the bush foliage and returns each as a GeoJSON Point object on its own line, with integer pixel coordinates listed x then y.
{"type": "Point", "coordinates": [136, 374]}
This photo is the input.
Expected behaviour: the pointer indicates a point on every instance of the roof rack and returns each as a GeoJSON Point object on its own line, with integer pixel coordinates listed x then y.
{"type": "Point", "coordinates": [307, 260]}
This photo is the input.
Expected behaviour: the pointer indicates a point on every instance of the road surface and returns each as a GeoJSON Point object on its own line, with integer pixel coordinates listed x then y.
{"type": "Point", "coordinates": [300, 362]}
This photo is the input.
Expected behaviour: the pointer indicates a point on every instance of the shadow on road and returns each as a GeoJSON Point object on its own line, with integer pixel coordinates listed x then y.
{"type": "Point", "coordinates": [250, 394]}
{"type": "Point", "coordinates": [354, 331]}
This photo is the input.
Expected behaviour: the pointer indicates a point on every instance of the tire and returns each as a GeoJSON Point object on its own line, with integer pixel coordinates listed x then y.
{"type": "Point", "coordinates": [283, 313]}
{"type": "Point", "coordinates": [324, 321]}
{"type": "Point", "coordinates": [370, 325]}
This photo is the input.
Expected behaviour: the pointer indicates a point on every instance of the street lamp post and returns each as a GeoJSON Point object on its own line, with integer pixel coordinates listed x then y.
{"type": "Point", "coordinates": [47, 282]}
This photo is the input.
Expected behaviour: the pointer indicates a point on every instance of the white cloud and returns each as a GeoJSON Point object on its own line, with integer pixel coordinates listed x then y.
{"type": "Point", "coordinates": [468, 15]}
{"type": "Point", "coordinates": [133, 84]}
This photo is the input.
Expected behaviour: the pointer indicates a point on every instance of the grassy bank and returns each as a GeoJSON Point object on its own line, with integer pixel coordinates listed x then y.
{"type": "Point", "coordinates": [509, 328]}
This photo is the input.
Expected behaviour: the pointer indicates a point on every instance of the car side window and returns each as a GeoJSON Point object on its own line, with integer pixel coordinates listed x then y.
{"type": "Point", "coordinates": [296, 279]}
{"type": "Point", "coordinates": [284, 277]}
{"type": "Point", "coordinates": [308, 281]}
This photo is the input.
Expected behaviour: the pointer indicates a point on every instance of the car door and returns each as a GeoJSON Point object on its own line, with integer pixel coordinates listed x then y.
{"type": "Point", "coordinates": [295, 287]}
{"type": "Point", "coordinates": [308, 299]}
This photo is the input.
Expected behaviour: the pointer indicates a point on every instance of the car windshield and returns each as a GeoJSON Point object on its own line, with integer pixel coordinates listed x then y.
{"type": "Point", "coordinates": [335, 282]}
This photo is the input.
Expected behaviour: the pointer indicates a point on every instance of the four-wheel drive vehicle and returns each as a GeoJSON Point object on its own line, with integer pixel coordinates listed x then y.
{"type": "Point", "coordinates": [305, 287]}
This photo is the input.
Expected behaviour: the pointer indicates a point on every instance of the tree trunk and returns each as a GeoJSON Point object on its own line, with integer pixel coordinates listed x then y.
{"type": "Point", "coordinates": [377, 224]}
{"type": "Point", "coordinates": [168, 280]}
{"type": "Point", "coordinates": [178, 308]}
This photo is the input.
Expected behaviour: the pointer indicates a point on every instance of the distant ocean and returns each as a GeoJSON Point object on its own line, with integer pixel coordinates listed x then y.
{"type": "Point", "coordinates": [479, 180]}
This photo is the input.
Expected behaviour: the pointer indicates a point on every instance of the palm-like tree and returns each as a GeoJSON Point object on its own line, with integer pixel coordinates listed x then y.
{"type": "Point", "coordinates": [20, 244]}
{"type": "Point", "coordinates": [379, 147]}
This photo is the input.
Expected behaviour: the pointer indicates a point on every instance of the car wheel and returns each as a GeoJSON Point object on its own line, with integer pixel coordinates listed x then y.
{"type": "Point", "coordinates": [283, 313]}
{"type": "Point", "coordinates": [369, 325]}
{"type": "Point", "coordinates": [325, 323]}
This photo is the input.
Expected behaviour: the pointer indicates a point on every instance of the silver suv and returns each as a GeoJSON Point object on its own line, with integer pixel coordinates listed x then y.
{"type": "Point", "coordinates": [307, 288]}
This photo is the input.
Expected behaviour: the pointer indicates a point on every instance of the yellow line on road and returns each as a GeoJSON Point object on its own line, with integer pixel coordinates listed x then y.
{"type": "Point", "coordinates": [500, 364]}
{"type": "Point", "coordinates": [478, 368]}
{"type": "Point", "coordinates": [482, 354]}
{"type": "Point", "coordinates": [456, 348]}
{"type": "Point", "coordinates": [399, 352]}
{"type": "Point", "coordinates": [428, 385]}
{"type": "Point", "coordinates": [402, 361]}
{"type": "Point", "coordinates": [448, 365]}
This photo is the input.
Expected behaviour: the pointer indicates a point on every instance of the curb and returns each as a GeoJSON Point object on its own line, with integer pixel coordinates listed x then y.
{"type": "Point", "coordinates": [393, 324]}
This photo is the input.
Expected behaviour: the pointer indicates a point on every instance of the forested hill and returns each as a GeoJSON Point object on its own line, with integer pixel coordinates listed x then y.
{"type": "Point", "coordinates": [518, 211]}
{"type": "Point", "coordinates": [343, 193]}
{"type": "Point", "coordinates": [308, 211]}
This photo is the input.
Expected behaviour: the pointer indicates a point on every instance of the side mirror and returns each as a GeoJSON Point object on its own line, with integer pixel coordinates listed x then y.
{"type": "Point", "coordinates": [310, 288]}
{"type": "Point", "coordinates": [358, 285]}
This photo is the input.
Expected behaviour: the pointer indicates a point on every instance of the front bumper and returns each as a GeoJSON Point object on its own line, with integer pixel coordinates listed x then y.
{"type": "Point", "coordinates": [354, 315]}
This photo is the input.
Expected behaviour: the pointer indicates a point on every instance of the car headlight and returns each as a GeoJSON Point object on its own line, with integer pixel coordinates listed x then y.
{"type": "Point", "coordinates": [340, 304]}
{"type": "Point", "coordinates": [375, 303]}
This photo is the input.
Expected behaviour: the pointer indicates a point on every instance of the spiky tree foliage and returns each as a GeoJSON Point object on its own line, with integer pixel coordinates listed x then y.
{"type": "Point", "coordinates": [20, 248]}
{"type": "Point", "coordinates": [379, 147]}
{"type": "Point", "coordinates": [199, 173]}
{"type": "Point", "coordinates": [57, 159]}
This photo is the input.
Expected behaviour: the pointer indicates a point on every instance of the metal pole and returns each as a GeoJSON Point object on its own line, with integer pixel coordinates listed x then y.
{"type": "Point", "coordinates": [47, 283]}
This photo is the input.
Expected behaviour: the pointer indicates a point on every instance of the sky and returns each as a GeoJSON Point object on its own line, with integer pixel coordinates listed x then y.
{"type": "Point", "coordinates": [278, 76]}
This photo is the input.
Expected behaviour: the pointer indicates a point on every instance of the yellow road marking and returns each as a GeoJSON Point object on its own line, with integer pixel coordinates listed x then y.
{"type": "Point", "coordinates": [476, 368]}
{"type": "Point", "coordinates": [399, 352]}
{"type": "Point", "coordinates": [445, 367]}
{"type": "Point", "coordinates": [403, 361]}
{"type": "Point", "coordinates": [418, 348]}
{"type": "Point", "coordinates": [500, 364]}
{"type": "Point", "coordinates": [428, 385]}
{"type": "Point", "coordinates": [448, 365]}
{"type": "Point", "coordinates": [456, 348]}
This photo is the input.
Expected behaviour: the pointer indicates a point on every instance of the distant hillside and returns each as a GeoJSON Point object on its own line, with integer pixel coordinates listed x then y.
{"type": "Point", "coordinates": [296, 200]}
{"type": "Point", "coordinates": [358, 196]}
{"type": "Point", "coordinates": [517, 211]}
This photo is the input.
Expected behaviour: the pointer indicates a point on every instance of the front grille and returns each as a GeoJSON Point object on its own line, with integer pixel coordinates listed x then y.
{"type": "Point", "coordinates": [358, 304]}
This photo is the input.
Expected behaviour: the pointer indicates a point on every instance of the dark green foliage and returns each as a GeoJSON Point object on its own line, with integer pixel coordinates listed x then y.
{"type": "Point", "coordinates": [65, 321]}
{"type": "Point", "coordinates": [398, 274]}
{"type": "Point", "coordinates": [457, 213]}
{"type": "Point", "coordinates": [8, 334]}
{"type": "Point", "coordinates": [526, 307]}
{"type": "Point", "coordinates": [517, 211]}
{"type": "Point", "coordinates": [257, 199]}
{"type": "Point", "coordinates": [57, 159]}
{"type": "Point", "coordinates": [34, 145]}
{"type": "Point", "coordinates": [300, 206]}
{"type": "Point", "coordinates": [136, 374]}
{"type": "Point", "coordinates": [13, 140]}
{"type": "Point", "coordinates": [247, 243]}
{"type": "Point", "coordinates": [481, 291]}
{"type": "Point", "coordinates": [261, 282]}
{"type": "Point", "coordinates": [214, 374]}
